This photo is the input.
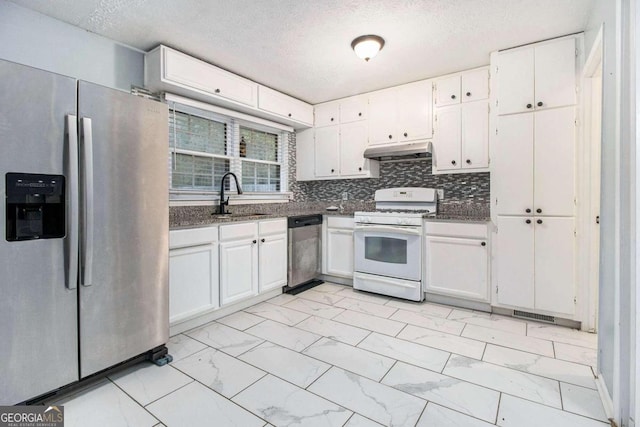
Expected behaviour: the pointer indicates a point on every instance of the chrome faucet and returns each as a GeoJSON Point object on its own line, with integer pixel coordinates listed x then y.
{"type": "Point", "coordinates": [224, 202]}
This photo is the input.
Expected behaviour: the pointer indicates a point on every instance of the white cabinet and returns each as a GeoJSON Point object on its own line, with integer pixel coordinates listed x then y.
{"type": "Point", "coordinates": [535, 263]}
{"type": "Point", "coordinates": [253, 258]}
{"type": "Point", "coordinates": [327, 150]}
{"type": "Point", "coordinates": [193, 272]}
{"type": "Point", "coordinates": [305, 155]}
{"type": "Point", "coordinates": [534, 163]}
{"type": "Point", "coordinates": [457, 260]}
{"type": "Point", "coordinates": [537, 77]}
{"type": "Point", "coordinates": [353, 109]}
{"type": "Point", "coordinates": [326, 114]}
{"type": "Point", "coordinates": [238, 261]}
{"type": "Point", "coordinates": [285, 106]}
{"type": "Point", "coordinates": [337, 247]}
{"type": "Point", "coordinates": [401, 114]}
{"type": "Point", "coordinates": [467, 86]}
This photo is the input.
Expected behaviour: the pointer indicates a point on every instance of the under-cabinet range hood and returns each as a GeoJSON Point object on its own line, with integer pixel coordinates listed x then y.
{"type": "Point", "coordinates": [401, 151]}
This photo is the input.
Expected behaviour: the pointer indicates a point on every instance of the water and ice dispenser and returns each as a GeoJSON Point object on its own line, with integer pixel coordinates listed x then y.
{"type": "Point", "coordinates": [35, 206]}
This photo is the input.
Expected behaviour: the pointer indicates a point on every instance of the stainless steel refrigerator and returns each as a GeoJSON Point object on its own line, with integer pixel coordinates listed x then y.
{"type": "Point", "coordinates": [84, 255]}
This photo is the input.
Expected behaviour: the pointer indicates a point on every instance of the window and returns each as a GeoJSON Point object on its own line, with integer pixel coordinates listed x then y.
{"type": "Point", "coordinates": [204, 145]}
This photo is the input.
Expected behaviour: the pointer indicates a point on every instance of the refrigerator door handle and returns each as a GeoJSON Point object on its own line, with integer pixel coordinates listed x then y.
{"type": "Point", "coordinates": [72, 216]}
{"type": "Point", "coordinates": [87, 246]}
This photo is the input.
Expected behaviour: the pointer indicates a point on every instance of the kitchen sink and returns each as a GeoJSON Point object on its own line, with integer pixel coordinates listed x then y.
{"type": "Point", "coordinates": [238, 215]}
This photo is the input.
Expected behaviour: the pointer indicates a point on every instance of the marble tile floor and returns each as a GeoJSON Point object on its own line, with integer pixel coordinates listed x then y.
{"type": "Point", "coordinates": [332, 356]}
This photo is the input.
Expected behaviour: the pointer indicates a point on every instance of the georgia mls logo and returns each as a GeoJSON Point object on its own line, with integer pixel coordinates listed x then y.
{"type": "Point", "coordinates": [31, 416]}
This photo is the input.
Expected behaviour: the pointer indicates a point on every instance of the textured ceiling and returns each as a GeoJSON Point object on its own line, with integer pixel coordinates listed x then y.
{"type": "Point", "coordinates": [302, 47]}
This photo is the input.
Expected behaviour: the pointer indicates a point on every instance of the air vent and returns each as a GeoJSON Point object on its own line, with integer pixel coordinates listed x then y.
{"type": "Point", "coordinates": [534, 316]}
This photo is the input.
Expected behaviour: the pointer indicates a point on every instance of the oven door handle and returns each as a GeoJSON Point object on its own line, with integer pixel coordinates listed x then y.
{"type": "Point", "coordinates": [414, 231]}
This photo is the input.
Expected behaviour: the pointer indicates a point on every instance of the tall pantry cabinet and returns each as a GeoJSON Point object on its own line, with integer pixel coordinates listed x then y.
{"type": "Point", "coordinates": [533, 177]}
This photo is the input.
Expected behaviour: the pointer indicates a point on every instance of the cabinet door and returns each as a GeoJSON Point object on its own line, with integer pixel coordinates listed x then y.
{"type": "Point", "coordinates": [554, 161]}
{"type": "Point", "coordinates": [515, 81]}
{"type": "Point", "coordinates": [305, 155]}
{"type": "Point", "coordinates": [515, 261]}
{"type": "Point", "coordinates": [339, 252]}
{"type": "Point", "coordinates": [353, 109]}
{"type": "Point", "coordinates": [513, 164]}
{"type": "Point", "coordinates": [475, 135]}
{"type": "Point", "coordinates": [447, 138]}
{"type": "Point", "coordinates": [272, 270]}
{"type": "Point", "coordinates": [238, 270]}
{"type": "Point", "coordinates": [193, 281]}
{"type": "Point", "coordinates": [457, 267]}
{"type": "Point", "coordinates": [327, 154]}
{"type": "Point", "coordinates": [382, 117]}
{"type": "Point", "coordinates": [284, 105]}
{"type": "Point", "coordinates": [353, 141]}
{"type": "Point", "coordinates": [414, 103]}
{"type": "Point", "coordinates": [555, 265]}
{"type": "Point", "coordinates": [326, 114]}
{"type": "Point", "coordinates": [448, 91]}
{"type": "Point", "coordinates": [555, 74]}
{"type": "Point", "coordinates": [475, 85]}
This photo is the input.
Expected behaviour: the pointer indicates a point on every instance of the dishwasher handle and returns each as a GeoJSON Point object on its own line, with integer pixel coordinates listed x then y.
{"type": "Point", "coordinates": [304, 220]}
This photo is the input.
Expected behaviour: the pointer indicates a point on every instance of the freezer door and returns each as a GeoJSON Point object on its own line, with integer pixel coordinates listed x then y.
{"type": "Point", "coordinates": [124, 308]}
{"type": "Point", "coordinates": [38, 308]}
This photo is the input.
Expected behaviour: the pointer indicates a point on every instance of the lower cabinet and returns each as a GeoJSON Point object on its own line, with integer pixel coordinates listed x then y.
{"type": "Point", "coordinates": [457, 260]}
{"type": "Point", "coordinates": [253, 258]}
{"type": "Point", "coordinates": [535, 263]}
{"type": "Point", "coordinates": [338, 247]}
{"type": "Point", "coordinates": [193, 267]}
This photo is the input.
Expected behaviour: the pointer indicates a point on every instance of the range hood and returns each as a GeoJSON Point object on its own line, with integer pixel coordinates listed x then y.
{"type": "Point", "coordinates": [401, 151]}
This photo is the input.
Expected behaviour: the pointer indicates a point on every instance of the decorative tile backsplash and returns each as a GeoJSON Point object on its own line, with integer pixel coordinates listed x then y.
{"type": "Point", "coordinates": [459, 189]}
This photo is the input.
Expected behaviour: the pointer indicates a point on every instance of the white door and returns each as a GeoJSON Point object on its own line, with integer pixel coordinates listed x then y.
{"type": "Point", "coordinates": [475, 85]}
{"type": "Point", "coordinates": [383, 117]}
{"type": "Point", "coordinates": [555, 74]}
{"type": "Point", "coordinates": [554, 265]}
{"type": "Point", "coordinates": [340, 252]}
{"type": "Point", "coordinates": [305, 155]}
{"type": "Point", "coordinates": [447, 138]}
{"type": "Point", "coordinates": [515, 81]}
{"type": "Point", "coordinates": [514, 254]}
{"type": "Point", "coordinates": [447, 91]}
{"type": "Point", "coordinates": [457, 267]}
{"type": "Point", "coordinates": [353, 109]}
{"type": "Point", "coordinates": [326, 114]}
{"type": "Point", "coordinates": [238, 270]}
{"type": "Point", "coordinates": [272, 262]}
{"type": "Point", "coordinates": [414, 103]}
{"type": "Point", "coordinates": [475, 135]}
{"type": "Point", "coordinates": [513, 163]}
{"type": "Point", "coordinates": [353, 142]}
{"type": "Point", "coordinates": [554, 162]}
{"type": "Point", "coordinates": [193, 281]}
{"type": "Point", "coordinates": [327, 151]}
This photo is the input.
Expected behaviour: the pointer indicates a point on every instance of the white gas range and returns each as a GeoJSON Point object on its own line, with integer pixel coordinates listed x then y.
{"type": "Point", "coordinates": [388, 242]}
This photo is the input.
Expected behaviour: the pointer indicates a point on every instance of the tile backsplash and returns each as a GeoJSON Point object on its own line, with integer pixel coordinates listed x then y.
{"type": "Point", "coordinates": [459, 189]}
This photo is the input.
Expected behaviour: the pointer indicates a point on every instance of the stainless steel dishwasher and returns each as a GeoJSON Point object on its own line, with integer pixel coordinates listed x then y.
{"type": "Point", "coordinates": [304, 253]}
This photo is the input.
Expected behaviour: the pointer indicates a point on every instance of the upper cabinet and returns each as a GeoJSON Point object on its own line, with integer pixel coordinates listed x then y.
{"type": "Point", "coordinates": [167, 70]}
{"type": "Point", "coordinates": [537, 77]}
{"type": "Point", "coordinates": [284, 105]}
{"type": "Point", "coordinates": [401, 114]}
{"type": "Point", "coordinates": [462, 87]}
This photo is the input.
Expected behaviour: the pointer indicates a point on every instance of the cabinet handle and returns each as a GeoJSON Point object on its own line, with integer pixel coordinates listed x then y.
{"type": "Point", "coordinates": [390, 136]}
{"type": "Point", "coordinates": [468, 161]}
{"type": "Point", "coordinates": [331, 118]}
{"type": "Point", "coordinates": [332, 170]}
{"type": "Point", "coordinates": [539, 221]}
{"type": "Point", "coordinates": [540, 104]}
{"type": "Point", "coordinates": [289, 114]}
{"type": "Point", "coordinates": [262, 240]}
{"type": "Point", "coordinates": [468, 93]}
{"type": "Point", "coordinates": [539, 210]}
{"type": "Point", "coordinates": [453, 97]}
{"type": "Point", "coordinates": [529, 105]}
{"type": "Point", "coordinates": [527, 210]}
{"type": "Point", "coordinates": [483, 243]}
{"type": "Point", "coordinates": [359, 169]}
{"type": "Point", "coordinates": [406, 134]}
{"type": "Point", "coordinates": [528, 221]}
{"type": "Point", "coordinates": [453, 162]}
{"type": "Point", "coordinates": [255, 241]}
{"type": "Point", "coordinates": [217, 91]}
{"type": "Point", "coordinates": [359, 114]}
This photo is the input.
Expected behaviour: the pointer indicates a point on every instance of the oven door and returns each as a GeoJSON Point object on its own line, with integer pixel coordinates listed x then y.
{"type": "Point", "coordinates": [387, 250]}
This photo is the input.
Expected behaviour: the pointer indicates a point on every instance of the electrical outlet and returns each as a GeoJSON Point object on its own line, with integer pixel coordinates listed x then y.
{"type": "Point", "coordinates": [345, 196]}
{"type": "Point", "coordinates": [440, 194]}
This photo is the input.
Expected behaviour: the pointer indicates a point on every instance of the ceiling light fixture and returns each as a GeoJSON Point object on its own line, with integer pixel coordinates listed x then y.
{"type": "Point", "coordinates": [366, 47]}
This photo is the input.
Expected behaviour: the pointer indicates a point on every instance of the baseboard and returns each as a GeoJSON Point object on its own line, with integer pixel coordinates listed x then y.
{"type": "Point", "coordinates": [603, 391]}
{"type": "Point", "coordinates": [335, 279]}
{"type": "Point", "coordinates": [458, 302]}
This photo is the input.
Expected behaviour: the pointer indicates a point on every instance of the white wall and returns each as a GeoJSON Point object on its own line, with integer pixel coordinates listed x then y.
{"type": "Point", "coordinates": [33, 39]}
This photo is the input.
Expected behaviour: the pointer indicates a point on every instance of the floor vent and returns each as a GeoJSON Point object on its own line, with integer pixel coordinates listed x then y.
{"type": "Point", "coordinates": [534, 316]}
